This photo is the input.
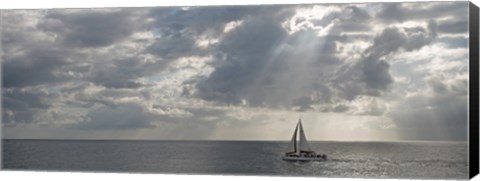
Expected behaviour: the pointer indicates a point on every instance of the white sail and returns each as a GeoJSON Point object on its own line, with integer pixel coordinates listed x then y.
{"type": "Point", "coordinates": [302, 151]}
{"type": "Point", "coordinates": [303, 144]}
{"type": "Point", "coordinates": [292, 148]}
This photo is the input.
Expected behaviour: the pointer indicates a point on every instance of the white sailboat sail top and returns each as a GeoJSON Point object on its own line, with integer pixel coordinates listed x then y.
{"type": "Point", "coordinates": [303, 144]}
{"type": "Point", "coordinates": [292, 148]}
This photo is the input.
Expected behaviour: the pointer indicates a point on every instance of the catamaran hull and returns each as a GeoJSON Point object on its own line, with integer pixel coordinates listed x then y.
{"type": "Point", "coordinates": [303, 158]}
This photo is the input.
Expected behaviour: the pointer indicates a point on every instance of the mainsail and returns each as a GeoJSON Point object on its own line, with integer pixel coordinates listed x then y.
{"type": "Point", "coordinates": [292, 148]}
{"type": "Point", "coordinates": [302, 144]}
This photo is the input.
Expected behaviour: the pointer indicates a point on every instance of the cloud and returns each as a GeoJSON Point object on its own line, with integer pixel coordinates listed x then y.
{"type": "Point", "coordinates": [454, 42]}
{"type": "Point", "coordinates": [340, 108]}
{"type": "Point", "coordinates": [401, 12]}
{"type": "Point", "coordinates": [174, 46]}
{"type": "Point", "coordinates": [83, 29]}
{"type": "Point", "coordinates": [215, 71]}
{"type": "Point", "coordinates": [38, 65]}
{"type": "Point", "coordinates": [121, 75]}
{"type": "Point", "coordinates": [353, 19]}
{"type": "Point", "coordinates": [256, 56]}
{"type": "Point", "coordinates": [21, 106]}
{"type": "Point", "coordinates": [13, 118]}
{"type": "Point", "coordinates": [370, 75]}
{"type": "Point", "coordinates": [256, 65]}
{"type": "Point", "coordinates": [12, 24]}
{"type": "Point", "coordinates": [23, 100]}
{"type": "Point", "coordinates": [438, 111]}
{"type": "Point", "coordinates": [246, 49]}
{"type": "Point", "coordinates": [177, 30]}
{"type": "Point", "coordinates": [196, 20]}
{"type": "Point", "coordinates": [120, 117]}
{"type": "Point", "coordinates": [303, 104]}
{"type": "Point", "coordinates": [454, 26]}
{"type": "Point", "coordinates": [209, 20]}
{"type": "Point", "coordinates": [432, 117]}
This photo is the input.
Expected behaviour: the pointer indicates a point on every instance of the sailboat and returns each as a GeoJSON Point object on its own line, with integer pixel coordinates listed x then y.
{"type": "Point", "coordinates": [300, 150]}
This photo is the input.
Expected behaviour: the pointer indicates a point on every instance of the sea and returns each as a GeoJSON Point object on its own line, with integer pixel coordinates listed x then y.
{"type": "Point", "coordinates": [416, 160]}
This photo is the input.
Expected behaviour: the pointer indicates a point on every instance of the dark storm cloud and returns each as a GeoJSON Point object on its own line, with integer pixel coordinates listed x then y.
{"type": "Point", "coordinates": [37, 65]}
{"type": "Point", "coordinates": [89, 28]}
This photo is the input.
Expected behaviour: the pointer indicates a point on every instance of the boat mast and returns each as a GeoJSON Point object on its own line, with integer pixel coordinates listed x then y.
{"type": "Point", "coordinates": [299, 124]}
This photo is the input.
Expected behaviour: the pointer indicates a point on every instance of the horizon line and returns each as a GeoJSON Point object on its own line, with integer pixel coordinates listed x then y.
{"type": "Point", "coordinates": [233, 140]}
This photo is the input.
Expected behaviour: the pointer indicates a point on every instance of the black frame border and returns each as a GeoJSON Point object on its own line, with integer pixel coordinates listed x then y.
{"type": "Point", "coordinates": [474, 91]}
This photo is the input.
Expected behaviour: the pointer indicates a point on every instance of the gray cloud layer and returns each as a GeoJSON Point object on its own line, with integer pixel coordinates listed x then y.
{"type": "Point", "coordinates": [123, 69]}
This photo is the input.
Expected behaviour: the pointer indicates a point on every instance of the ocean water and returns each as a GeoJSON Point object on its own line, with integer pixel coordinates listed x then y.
{"type": "Point", "coordinates": [422, 160]}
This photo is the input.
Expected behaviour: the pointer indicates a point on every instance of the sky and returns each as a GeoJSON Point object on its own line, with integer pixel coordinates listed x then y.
{"type": "Point", "coordinates": [352, 72]}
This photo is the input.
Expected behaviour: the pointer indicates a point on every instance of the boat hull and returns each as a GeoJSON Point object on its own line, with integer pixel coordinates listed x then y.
{"type": "Point", "coordinates": [289, 158]}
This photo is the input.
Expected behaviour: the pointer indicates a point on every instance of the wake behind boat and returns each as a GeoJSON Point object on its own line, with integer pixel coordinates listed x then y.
{"type": "Point", "coordinates": [301, 151]}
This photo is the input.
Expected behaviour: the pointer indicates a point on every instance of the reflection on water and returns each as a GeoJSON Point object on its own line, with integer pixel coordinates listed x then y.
{"type": "Point", "coordinates": [346, 159]}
